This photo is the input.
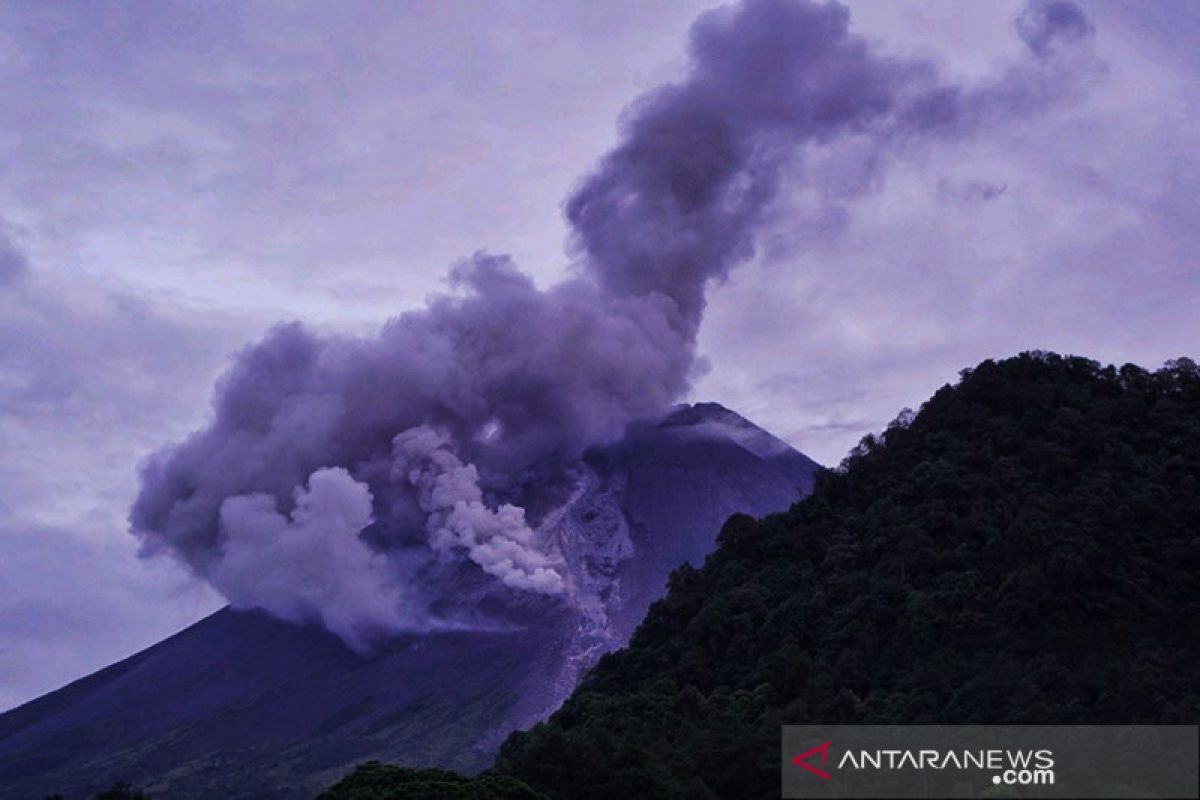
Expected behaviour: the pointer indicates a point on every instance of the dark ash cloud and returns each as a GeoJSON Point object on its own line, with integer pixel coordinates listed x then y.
{"type": "Point", "coordinates": [420, 438]}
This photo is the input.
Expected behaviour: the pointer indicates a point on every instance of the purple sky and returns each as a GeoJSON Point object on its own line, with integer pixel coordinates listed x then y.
{"type": "Point", "coordinates": [173, 182]}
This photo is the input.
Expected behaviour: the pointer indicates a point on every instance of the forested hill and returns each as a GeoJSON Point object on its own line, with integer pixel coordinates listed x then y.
{"type": "Point", "coordinates": [1025, 549]}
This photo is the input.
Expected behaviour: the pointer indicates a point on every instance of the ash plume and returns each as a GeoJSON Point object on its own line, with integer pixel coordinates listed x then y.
{"type": "Point", "coordinates": [322, 569]}
{"type": "Point", "coordinates": [448, 491]}
{"type": "Point", "coordinates": [338, 473]}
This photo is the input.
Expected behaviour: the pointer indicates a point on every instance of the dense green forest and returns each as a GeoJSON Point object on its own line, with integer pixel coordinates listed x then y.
{"type": "Point", "coordinates": [1026, 549]}
{"type": "Point", "coordinates": [375, 781]}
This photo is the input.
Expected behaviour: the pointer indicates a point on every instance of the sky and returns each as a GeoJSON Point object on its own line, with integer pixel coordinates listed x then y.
{"type": "Point", "coordinates": [176, 178]}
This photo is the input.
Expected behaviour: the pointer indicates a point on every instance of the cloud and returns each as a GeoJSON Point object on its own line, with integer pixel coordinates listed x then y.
{"type": "Point", "coordinates": [90, 380]}
{"type": "Point", "coordinates": [518, 380]}
{"type": "Point", "coordinates": [321, 570]}
{"type": "Point", "coordinates": [72, 600]}
{"type": "Point", "coordinates": [448, 491]}
{"type": "Point", "coordinates": [13, 263]}
{"type": "Point", "coordinates": [1045, 24]}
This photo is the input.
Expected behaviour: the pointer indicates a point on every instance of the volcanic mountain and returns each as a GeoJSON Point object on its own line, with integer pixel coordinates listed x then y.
{"type": "Point", "coordinates": [244, 705]}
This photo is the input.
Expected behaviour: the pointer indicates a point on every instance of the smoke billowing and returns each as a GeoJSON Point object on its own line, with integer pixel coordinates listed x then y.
{"type": "Point", "coordinates": [339, 477]}
{"type": "Point", "coordinates": [448, 492]}
{"type": "Point", "coordinates": [321, 569]}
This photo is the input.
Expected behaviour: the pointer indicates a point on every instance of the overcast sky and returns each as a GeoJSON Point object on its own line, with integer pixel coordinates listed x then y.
{"type": "Point", "coordinates": [177, 177]}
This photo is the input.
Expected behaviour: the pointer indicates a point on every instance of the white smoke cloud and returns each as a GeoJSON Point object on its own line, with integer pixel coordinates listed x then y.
{"type": "Point", "coordinates": [448, 491]}
{"type": "Point", "coordinates": [310, 565]}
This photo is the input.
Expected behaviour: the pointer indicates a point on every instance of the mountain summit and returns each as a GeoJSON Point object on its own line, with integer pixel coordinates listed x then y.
{"type": "Point", "coordinates": [244, 705]}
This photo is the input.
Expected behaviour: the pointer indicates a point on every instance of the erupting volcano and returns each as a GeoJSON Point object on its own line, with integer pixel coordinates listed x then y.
{"type": "Point", "coordinates": [425, 535]}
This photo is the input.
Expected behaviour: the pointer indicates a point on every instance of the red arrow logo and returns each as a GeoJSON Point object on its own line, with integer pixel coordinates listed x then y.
{"type": "Point", "coordinates": [801, 760]}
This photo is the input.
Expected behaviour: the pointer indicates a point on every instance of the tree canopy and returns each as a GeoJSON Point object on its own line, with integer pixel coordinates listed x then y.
{"type": "Point", "coordinates": [376, 781]}
{"type": "Point", "coordinates": [1025, 549]}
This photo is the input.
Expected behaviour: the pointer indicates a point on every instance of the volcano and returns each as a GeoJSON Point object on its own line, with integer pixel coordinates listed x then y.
{"type": "Point", "coordinates": [241, 704]}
